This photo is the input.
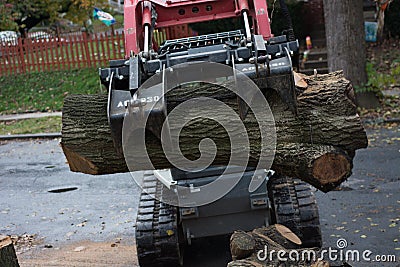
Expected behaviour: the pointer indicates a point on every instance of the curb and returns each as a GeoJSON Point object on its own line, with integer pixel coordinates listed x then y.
{"type": "Point", "coordinates": [380, 121]}
{"type": "Point", "coordinates": [30, 136]}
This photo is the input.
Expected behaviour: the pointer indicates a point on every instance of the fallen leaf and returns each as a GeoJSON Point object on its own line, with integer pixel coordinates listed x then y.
{"type": "Point", "coordinates": [79, 249]}
{"type": "Point", "coordinates": [170, 232]}
{"type": "Point", "coordinates": [69, 234]}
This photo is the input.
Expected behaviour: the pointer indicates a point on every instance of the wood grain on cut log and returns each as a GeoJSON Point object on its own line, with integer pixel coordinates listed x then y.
{"type": "Point", "coordinates": [317, 146]}
{"type": "Point", "coordinates": [8, 258]}
{"type": "Point", "coordinates": [278, 234]}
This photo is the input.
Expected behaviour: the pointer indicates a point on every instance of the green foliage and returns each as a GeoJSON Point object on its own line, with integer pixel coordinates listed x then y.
{"type": "Point", "coordinates": [20, 15]}
{"type": "Point", "coordinates": [6, 11]}
{"type": "Point", "coordinates": [45, 91]}
{"type": "Point", "coordinates": [31, 126]}
{"type": "Point", "coordinates": [119, 18]}
{"type": "Point", "coordinates": [378, 81]}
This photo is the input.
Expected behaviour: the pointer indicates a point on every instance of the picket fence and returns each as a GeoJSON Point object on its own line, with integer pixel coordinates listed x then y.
{"type": "Point", "coordinates": [72, 50]}
{"type": "Point", "coordinates": [60, 53]}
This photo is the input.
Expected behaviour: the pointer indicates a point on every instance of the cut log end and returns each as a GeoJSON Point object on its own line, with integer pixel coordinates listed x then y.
{"type": "Point", "coordinates": [288, 234]}
{"type": "Point", "coordinates": [252, 248]}
{"type": "Point", "coordinates": [8, 257]}
{"type": "Point", "coordinates": [278, 236]}
{"type": "Point", "coordinates": [331, 168]}
{"type": "Point", "coordinates": [77, 163]}
{"type": "Point", "coordinates": [5, 241]}
{"type": "Point", "coordinates": [320, 263]}
{"type": "Point", "coordinates": [242, 245]}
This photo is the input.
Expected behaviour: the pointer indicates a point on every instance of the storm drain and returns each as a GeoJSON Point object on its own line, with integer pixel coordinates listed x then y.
{"type": "Point", "coordinates": [62, 189]}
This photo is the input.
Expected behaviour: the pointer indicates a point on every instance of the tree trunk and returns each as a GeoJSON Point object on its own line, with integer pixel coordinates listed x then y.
{"type": "Point", "coordinates": [317, 146]}
{"type": "Point", "coordinates": [345, 37]}
{"type": "Point", "coordinates": [8, 258]}
{"type": "Point", "coordinates": [381, 24]}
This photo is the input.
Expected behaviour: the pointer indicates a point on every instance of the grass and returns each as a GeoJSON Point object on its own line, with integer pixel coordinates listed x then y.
{"type": "Point", "coordinates": [381, 80]}
{"type": "Point", "coordinates": [383, 66]}
{"type": "Point", "coordinates": [383, 69]}
{"type": "Point", "coordinates": [45, 91]}
{"type": "Point", "coordinates": [40, 125]}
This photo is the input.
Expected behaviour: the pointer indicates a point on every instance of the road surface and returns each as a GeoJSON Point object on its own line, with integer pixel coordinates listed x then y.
{"type": "Point", "coordinates": [71, 219]}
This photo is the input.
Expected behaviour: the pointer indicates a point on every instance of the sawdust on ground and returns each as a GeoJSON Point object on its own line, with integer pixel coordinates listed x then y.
{"type": "Point", "coordinates": [84, 253]}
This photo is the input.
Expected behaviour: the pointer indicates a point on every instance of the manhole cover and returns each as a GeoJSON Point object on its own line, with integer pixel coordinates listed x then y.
{"type": "Point", "coordinates": [62, 189]}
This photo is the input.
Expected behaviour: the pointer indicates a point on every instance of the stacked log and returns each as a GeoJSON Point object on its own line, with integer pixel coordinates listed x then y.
{"type": "Point", "coordinates": [274, 245]}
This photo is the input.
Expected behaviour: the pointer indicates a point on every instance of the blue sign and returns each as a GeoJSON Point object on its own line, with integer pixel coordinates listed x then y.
{"type": "Point", "coordinates": [371, 29]}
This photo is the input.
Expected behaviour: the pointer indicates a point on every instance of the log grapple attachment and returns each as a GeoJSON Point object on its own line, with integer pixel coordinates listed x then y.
{"type": "Point", "coordinates": [251, 50]}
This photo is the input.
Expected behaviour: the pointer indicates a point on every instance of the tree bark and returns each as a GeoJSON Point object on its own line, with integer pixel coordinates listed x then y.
{"type": "Point", "coordinates": [381, 24]}
{"type": "Point", "coordinates": [345, 37]}
{"type": "Point", "coordinates": [8, 258]}
{"type": "Point", "coordinates": [317, 146]}
{"type": "Point", "coordinates": [242, 245]}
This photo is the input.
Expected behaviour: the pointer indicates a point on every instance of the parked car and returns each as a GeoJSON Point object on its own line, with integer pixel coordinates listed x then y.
{"type": "Point", "coordinates": [8, 38]}
{"type": "Point", "coordinates": [42, 35]}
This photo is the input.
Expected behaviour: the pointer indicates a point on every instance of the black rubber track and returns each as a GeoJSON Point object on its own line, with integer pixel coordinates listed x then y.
{"type": "Point", "coordinates": [294, 205]}
{"type": "Point", "coordinates": [156, 228]}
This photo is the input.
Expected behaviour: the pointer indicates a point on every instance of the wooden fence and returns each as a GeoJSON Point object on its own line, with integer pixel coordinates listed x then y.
{"type": "Point", "coordinates": [72, 50]}
{"type": "Point", "coordinates": [64, 53]}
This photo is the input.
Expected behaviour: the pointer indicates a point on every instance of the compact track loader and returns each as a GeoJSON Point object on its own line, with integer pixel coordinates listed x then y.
{"type": "Point", "coordinates": [163, 230]}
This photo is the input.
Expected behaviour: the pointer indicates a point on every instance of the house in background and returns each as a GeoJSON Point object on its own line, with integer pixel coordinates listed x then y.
{"type": "Point", "coordinates": [314, 22]}
{"type": "Point", "coordinates": [117, 5]}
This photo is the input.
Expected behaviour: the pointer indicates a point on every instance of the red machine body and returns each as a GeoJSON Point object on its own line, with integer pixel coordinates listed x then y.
{"type": "Point", "coordinates": [168, 13]}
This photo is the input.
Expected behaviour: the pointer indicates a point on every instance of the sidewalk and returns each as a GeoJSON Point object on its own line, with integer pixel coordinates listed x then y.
{"type": "Point", "coordinates": [12, 117]}
{"type": "Point", "coordinates": [388, 112]}
{"type": "Point", "coordinates": [35, 115]}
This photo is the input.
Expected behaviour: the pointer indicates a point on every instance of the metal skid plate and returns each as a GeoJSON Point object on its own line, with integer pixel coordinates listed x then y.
{"type": "Point", "coordinates": [239, 209]}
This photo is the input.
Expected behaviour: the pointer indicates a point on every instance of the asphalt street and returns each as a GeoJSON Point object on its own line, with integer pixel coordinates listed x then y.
{"type": "Point", "coordinates": [40, 196]}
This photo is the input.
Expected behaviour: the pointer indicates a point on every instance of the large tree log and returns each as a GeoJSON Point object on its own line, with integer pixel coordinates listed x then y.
{"type": "Point", "coordinates": [317, 146]}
